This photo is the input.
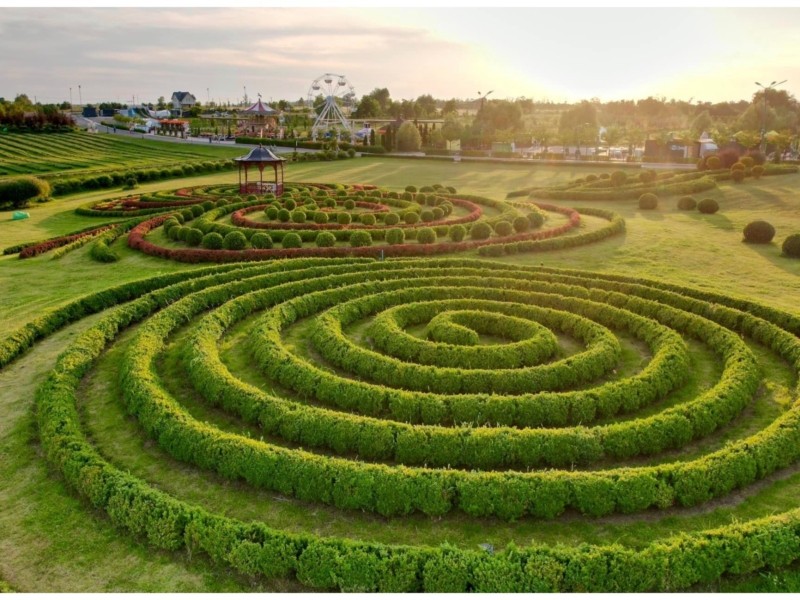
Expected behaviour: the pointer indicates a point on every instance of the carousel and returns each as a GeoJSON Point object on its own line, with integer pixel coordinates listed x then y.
{"type": "Point", "coordinates": [257, 160]}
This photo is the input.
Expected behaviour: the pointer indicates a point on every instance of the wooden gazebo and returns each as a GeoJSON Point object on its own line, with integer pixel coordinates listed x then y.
{"type": "Point", "coordinates": [259, 158]}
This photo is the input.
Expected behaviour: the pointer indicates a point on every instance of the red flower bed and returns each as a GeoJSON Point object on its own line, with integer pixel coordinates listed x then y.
{"type": "Point", "coordinates": [57, 242]}
{"type": "Point", "coordinates": [136, 240]}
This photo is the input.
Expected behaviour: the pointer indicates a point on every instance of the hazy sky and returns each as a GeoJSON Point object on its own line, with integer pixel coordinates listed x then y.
{"type": "Point", "coordinates": [543, 53]}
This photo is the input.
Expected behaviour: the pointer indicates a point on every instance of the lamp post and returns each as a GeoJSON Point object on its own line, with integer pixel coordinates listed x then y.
{"type": "Point", "coordinates": [482, 98]}
{"type": "Point", "coordinates": [70, 98]}
{"type": "Point", "coordinates": [80, 95]}
{"type": "Point", "coordinates": [764, 120]}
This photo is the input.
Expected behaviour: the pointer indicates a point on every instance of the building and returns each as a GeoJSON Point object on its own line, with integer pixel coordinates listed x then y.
{"type": "Point", "coordinates": [182, 101]}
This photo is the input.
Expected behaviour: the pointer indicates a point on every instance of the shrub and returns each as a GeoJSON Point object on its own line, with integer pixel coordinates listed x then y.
{"type": "Point", "coordinates": [411, 218]}
{"type": "Point", "coordinates": [359, 239]}
{"type": "Point", "coordinates": [251, 198]}
{"type": "Point", "coordinates": [284, 215]}
{"type": "Point", "coordinates": [521, 224]}
{"type": "Point", "coordinates": [350, 204]}
{"type": "Point", "coordinates": [738, 166]}
{"type": "Point", "coordinates": [292, 240]}
{"type": "Point", "coordinates": [271, 212]}
{"type": "Point", "coordinates": [325, 239]}
{"type": "Point", "coordinates": [426, 216]}
{"type": "Point", "coordinates": [713, 163]}
{"type": "Point", "coordinates": [197, 210]}
{"type": "Point", "coordinates": [411, 188]}
{"type": "Point", "coordinates": [169, 224]}
{"type": "Point", "coordinates": [648, 201]}
{"type": "Point", "coordinates": [18, 192]}
{"type": "Point", "coordinates": [343, 218]}
{"type": "Point", "coordinates": [174, 232]}
{"type": "Point", "coordinates": [131, 183]}
{"type": "Point", "coordinates": [391, 219]}
{"type": "Point", "coordinates": [728, 157]}
{"type": "Point", "coordinates": [298, 216]}
{"type": "Point", "coordinates": [331, 203]}
{"type": "Point", "coordinates": [426, 235]}
{"type": "Point", "coordinates": [408, 137]}
{"type": "Point", "coordinates": [648, 176]}
{"type": "Point", "coordinates": [791, 246]}
{"type": "Point", "coordinates": [737, 175]}
{"type": "Point", "coordinates": [503, 228]}
{"type": "Point", "coordinates": [290, 204]}
{"type": "Point", "coordinates": [395, 236]}
{"type": "Point", "coordinates": [758, 158]}
{"type": "Point", "coordinates": [438, 213]}
{"type": "Point", "coordinates": [757, 171]}
{"type": "Point", "coordinates": [235, 240]}
{"type": "Point", "coordinates": [261, 240]}
{"type": "Point", "coordinates": [758, 232]}
{"type": "Point", "coordinates": [708, 206]}
{"type": "Point", "coordinates": [748, 161]}
{"type": "Point", "coordinates": [457, 232]}
{"type": "Point", "coordinates": [194, 237]}
{"type": "Point", "coordinates": [591, 178]}
{"type": "Point", "coordinates": [212, 241]}
{"type": "Point", "coordinates": [480, 231]}
{"type": "Point", "coordinates": [536, 219]}
{"type": "Point", "coordinates": [368, 219]}
{"type": "Point", "coordinates": [687, 203]}
{"type": "Point", "coordinates": [320, 218]}
{"type": "Point", "coordinates": [619, 178]}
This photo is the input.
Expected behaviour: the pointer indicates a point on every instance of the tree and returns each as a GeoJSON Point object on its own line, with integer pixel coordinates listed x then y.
{"type": "Point", "coordinates": [425, 106]}
{"type": "Point", "coordinates": [451, 130]}
{"type": "Point", "coordinates": [583, 115]}
{"type": "Point", "coordinates": [701, 123]}
{"type": "Point", "coordinates": [367, 108]}
{"type": "Point", "coordinates": [450, 106]}
{"type": "Point", "coordinates": [161, 104]}
{"type": "Point", "coordinates": [614, 135]}
{"type": "Point", "coordinates": [383, 98]}
{"type": "Point", "coordinates": [408, 138]}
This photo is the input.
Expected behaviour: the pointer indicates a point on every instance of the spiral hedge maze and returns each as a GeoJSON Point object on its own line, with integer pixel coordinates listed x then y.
{"type": "Point", "coordinates": [448, 388]}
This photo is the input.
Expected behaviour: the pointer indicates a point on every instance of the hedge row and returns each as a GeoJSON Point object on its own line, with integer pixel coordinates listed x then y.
{"type": "Point", "coordinates": [58, 242]}
{"type": "Point", "coordinates": [254, 549]}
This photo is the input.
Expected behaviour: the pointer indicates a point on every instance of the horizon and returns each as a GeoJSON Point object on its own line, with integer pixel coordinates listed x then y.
{"type": "Point", "coordinates": [547, 55]}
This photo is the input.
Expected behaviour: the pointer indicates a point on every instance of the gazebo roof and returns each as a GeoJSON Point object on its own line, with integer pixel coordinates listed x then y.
{"type": "Point", "coordinates": [260, 155]}
{"type": "Point", "coordinates": [259, 108]}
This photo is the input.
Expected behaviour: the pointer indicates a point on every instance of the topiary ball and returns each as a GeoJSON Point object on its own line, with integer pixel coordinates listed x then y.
{"type": "Point", "coordinates": [687, 203]}
{"type": "Point", "coordinates": [411, 218]}
{"type": "Point", "coordinates": [521, 224]}
{"type": "Point", "coordinates": [758, 232]}
{"type": "Point", "coordinates": [426, 235]}
{"type": "Point", "coordinates": [757, 171]}
{"type": "Point", "coordinates": [325, 239]}
{"type": "Point", "coordinates": [648, 201]}
{"type": "Point", "coordinates": [212, 241]}
{"type": "Point", "coordinates": [391, 219]}
{"type": "Point", "coordinates": [536, 219]}
{"type": "Point", "coordinates": [368, 219]}
{"type": "Point", "coordinates": [791, 246]}
{"type": "Point", "coordinates": [349, 204]}
{"type": "Point", "coordinates": [395, 236]}
{"type": "Point", "coordinates": [291, 240]}
{"type": "Point", "coordinates": [261, 240]}
{"type": "Point", "coordinates": [343, 218]}
{"type": "Point", "coordinates": [235, 240]}
{"type": "Point", "coordinates": [480, 231]}
{"type": "Point", "coordinates": [708, 206]}
{"type": "Point", "coordinates": [284, 215]}
{"type": "Point", "coordinates": [737, 175]}
{"type": "Point", "coordinates": [194, 237]}
{"type": "Point", "coordinates": [290, 204]}
{"type": "Point", "coordinates": [713, 163]}
{"type": "Point", "coordinates": [457, 232]}
{"type": "Point", "coordinates": [619, 178]}
{"type": "Point", "coordinates": [427, 216]}
{"type": "Point", "coordinates": [359, 239]}
{"type": "Point", "coordinates": [503, 228]}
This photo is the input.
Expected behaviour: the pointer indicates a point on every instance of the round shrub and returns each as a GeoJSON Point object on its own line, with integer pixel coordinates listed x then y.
{"type": "Point", "coordinates": [183, 232]}
{"type": "Point", "coordinates": [212, 241]}
{"type": "Point", "coordinates": [221, 202]}
{"type": "Point", "coordinates": [330, 202]}
{"type": "Point", "coordinates": [591, 178]}
{"type": "Point", "coordinates": [251, 198]}
{"type": "Point", "coordinates": [737, 175]}
{"type": "Point", "coordinates": [350, 204]}
{"type": "Point", "coordinates": [426, 235]}
{"type": "Point", "coordinates": [235, 240]}
{"type": "Point", "coordinates": [747, 161]}
{"type": "Point", "coordinates": [290, 204]}
{"type": "Point", "coordinates": [325, 239]}
{"type": "Point", "coordinates": [457, 232]}
{"type": "Point", "coordinates": [298, 216]}
{"type": "Point", "coordinates": [503, 228]}
{"type": "Point", "coordinates": [791, 246]}
{"type": "Point", "coordinates": [271, 212]}
{"type": "Point", "coordinates": [480, 231]}
{"type": "Point", "coordinates": [648, 176]}
{"type": "Point", "coordinates": [197, 210]}
{"type": "Point", "coordinates": [738, 166]}
{"type": "Point", "coordinates": [713, 163]}
{"type": "Point", "coordinates": [343, 218]}
{"type": "Point", "coordinates": [605, 176]}
{"type": "Point", "coordinates": [208, 205]}
{"type": "Point", "coordinates": [426, 216]}
{"type": "Point", "coordinates": [194, 237]}
{"type": "Point", "coordinates": [320, 218]}
{"type": "Point", "coordinates": [395, 236]}
{"type": "Point", "coordinates": [521, 224]}
{"type": "Point", "coordinates": [757, 171]}
{"type": "Point", "coordinates": [536, 219]}
{"type": "Point", "coordinates": [411, 218]}
{"type": "Point", "coordinates": [648, 201]}
{"type": "Point", "coordinates": [292, 240]}
{"type": "Point", "coordinates": [687, 203]}
{"type": "Point", "coordinates": [438, 213]}
{"type": "Point", "coordinates": [130, 183]}
{"type": "Point", "coordinates": [284, 215]}
{"type": "Point", "coordinates": [368, 219]}
{"type": "Point", "coordinates": [261, 240]}
{"type": "Point", "coordinates": [619, 178]}
{"type": "Point", "coordinates": [411, 188]}
{"type": "Point", "coordinates": [359, 239]}
{"type": "Point", "coordinates": [169, 224]}
{"type": "Point", "coordinates": [174, 232]}
{"type": "Point", "coordinates": [391, 219]}
{"type": "Point", "coordinates": [708, 206]}
{"type": "Point", "coordinates": [758, 232]}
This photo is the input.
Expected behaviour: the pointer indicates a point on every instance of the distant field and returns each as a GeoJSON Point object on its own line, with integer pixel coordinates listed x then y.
{"type": "Point", "coordinates": [80, 152]}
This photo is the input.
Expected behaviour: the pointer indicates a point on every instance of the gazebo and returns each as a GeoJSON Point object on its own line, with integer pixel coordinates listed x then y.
{"type": "Point", "coordinates": [259, 118]}
{"type": "Point", "coordinates": [259, 158]}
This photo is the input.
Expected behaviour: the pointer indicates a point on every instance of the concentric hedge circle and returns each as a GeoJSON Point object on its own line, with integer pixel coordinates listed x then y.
{"type": "Point", "coordinates": [436, 386]}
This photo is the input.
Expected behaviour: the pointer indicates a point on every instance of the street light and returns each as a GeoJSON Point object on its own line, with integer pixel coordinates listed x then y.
{"type": "Point", "coordinates": [482, 98]}
{"type": "Point", "coordinates": [764, 121]}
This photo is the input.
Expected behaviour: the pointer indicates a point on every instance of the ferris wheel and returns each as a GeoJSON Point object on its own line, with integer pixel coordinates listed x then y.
{"type": "Point", "coordinates": [332, 98]}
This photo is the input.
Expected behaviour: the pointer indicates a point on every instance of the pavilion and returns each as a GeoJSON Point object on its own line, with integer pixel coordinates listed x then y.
{"type": "Point", "coordinates": [259, 119]}
{"type": "Point", "coordinates": [259, 158]}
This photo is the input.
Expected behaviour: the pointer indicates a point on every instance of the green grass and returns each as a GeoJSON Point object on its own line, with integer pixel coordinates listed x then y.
{"type": "Point", "coordinates": [81, 153]}
{"type": "Point", "coordinates": [53, 541]}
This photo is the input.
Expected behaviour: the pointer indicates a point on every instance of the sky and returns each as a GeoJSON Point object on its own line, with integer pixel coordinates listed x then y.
{"type": "Point", "coordinates": [556, 54]}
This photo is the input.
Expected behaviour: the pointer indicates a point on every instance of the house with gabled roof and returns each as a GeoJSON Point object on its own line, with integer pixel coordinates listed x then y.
{"type": "Point", "coordinates": [182, 101]}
